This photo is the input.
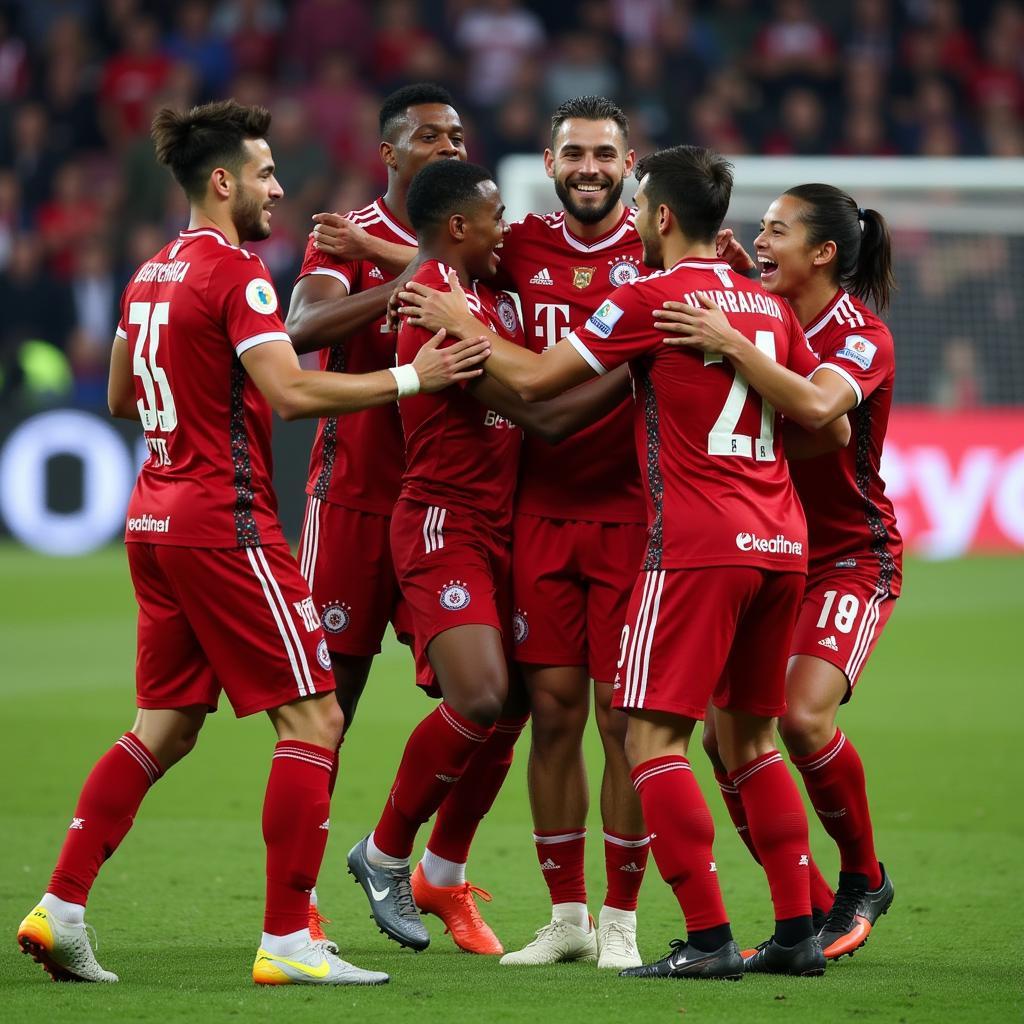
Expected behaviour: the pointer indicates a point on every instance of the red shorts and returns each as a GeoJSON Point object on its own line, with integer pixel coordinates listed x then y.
{"type": "Point", "coordinates": [841, 618]}
{"type": "Point", "coordinates": [239, 620]}
{"type": "Point", "coordinates": [719, 633]}
{"type": "Point", "coordinates": [345, 556]}
{"type": "Point", "coordinates": [572, 581]}
{"type": "Point", "coordinates": [453, 572]}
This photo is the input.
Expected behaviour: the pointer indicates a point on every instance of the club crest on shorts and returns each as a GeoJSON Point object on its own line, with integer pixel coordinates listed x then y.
{"type": "Point", "coordinates": [520, 627]}
{"type": "Point", "coordinates": [623, 270]}
{"type": "Point", "coordinates": [507, 312]}
{"type": "Point", "coordinates": [336, 617]}
{"type": "Point", "coordinates": [323, 655]}
{"type": "Point", "coordinates": [455, 595]}
{"type": "Point", "coordinates": [582, 276]}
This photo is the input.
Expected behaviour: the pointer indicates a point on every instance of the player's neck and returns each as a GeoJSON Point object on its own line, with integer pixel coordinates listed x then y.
{"type": "Point", "coordinates": [200, 218]}
{"type": "Point", "coordinates": [591, 231]}
{"type": "Point", "coordinates": [676, 248]}
{"type": "Point", "coordinates": [394, 200]}
{"type": "Point", "coordinates": [812, 300]}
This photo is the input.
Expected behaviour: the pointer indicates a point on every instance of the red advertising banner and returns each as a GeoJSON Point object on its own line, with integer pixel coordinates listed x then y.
{"type": "Point", "coordinates": [956, 479]}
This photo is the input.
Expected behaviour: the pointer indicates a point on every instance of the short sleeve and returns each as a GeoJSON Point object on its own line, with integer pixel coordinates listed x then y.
{"type": "Point", "coordinates": [122, 328]}
{"type": "Point", "coordinates": [316, 262]}
{"type": "Point", "coordinates": [251, 309]}
{"type": "Point", "coordinates": [864, 359]}
{"type": "Point", "coordinates": [801, 358]}
{"type": "Point", "coordinates": [619, 330]}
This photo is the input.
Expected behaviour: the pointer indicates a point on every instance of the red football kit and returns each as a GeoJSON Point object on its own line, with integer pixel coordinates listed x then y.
{"type": "Point", "coordinates": [221, 602]}
{"type": "Point", "coordinates": [451, 529]}
{"type": "Point", "coordinates": [723, 516]}
{"type": "Point", "coordinates": [580, 528]}
{"type": "Point", "coordinates": [355, 470]}
{"type": "Point", "coordinates": [856, 552]}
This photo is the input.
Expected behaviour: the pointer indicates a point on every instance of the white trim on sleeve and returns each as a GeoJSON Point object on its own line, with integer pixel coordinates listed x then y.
{"type": "Point", "coordinates": [848, 377]}
{"type": "Point", "coordinates": [260, 339]}
{"type": "Point", "coordinates": [121, 333]}
{"type": "Point", "coordinates": [331, 272]}
{"type": "Point", "coordinates": [592, 361]}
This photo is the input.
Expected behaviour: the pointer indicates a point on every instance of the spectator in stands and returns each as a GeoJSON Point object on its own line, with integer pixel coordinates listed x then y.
{"type": "Point", "coordinates": [579, 66]}
{"type": "Point", "coordinates": [795, 48]}
{"type": "Point", "coordinates": [397, 40]}
{"type": "Point", "coordinates": [957, 384]}
{"type": "Point", "coordinates": [13, 62]}
{"type": "Point", "coordinates": [65, 221]}
{"type": "Point", "coordinates": [319, 28]}
{"type": "Point", "coordinates": [252, 29]}
{"type": "Point", "coordinates": [96, 294]}
{"type": "Point", "coordinates": [131, 78]}
{"type": "Point", "coordinates": [29, 153]}
{"type": "Point", "coordinates": [194, 42]}
{"type": "Point", "coordinates": [801, 127]}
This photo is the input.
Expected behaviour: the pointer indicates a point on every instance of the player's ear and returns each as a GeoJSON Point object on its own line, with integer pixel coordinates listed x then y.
{"type": "Point", "coordinates": [221, 182]}
{"type": "Point", "coordinates": [825, 254]}
{"type": "Point", "coordinates": [630, 161]}
{"type": "Point", "coordinates": [457, 226]}
{"type": "Point", "coordinates": [549, 163]}
{"type": "Point", "coordinates": [387, 156]}
{"type": "Point", "coordinates": [664, 219]}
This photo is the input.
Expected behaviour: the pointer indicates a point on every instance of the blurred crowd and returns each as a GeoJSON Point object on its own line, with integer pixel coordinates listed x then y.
{"type": "Point", "coordinates": [82, 200]}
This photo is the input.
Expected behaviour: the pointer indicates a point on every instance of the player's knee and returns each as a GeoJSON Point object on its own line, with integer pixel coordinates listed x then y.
{"type": "Point", "coordinates": [805, 731]}
{"type": "Point", "coordinates": [554, 725]}
{"type": "Point", "coordinates": [611, 724]}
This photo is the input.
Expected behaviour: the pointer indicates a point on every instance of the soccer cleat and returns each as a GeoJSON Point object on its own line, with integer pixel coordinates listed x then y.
{"type": "Point", "coordinates": [854, 913]}
{"type": "Point", "coordinates": [556, 943]}
{"type": "Point", "coordinates": [725, 963]}
{"type": "Point", "coordinates": [63, 950]}
{"type": "Point", "coordinates": [390, 895]}
{"type": "Point", "coordinates": [456, 906]}
{"type": "Point", "coordinates": [616, 946]}
{"type": "Point", "coordinates": [311, 965]}
{"type": "Point", "coordinates": [804, 960]}
{"type": "Point", "coordinates": [316, 929]}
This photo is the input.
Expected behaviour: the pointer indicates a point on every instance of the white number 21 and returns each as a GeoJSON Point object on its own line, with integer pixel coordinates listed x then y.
{"type": "Point", "coordinates": [150, 317]}
{"type": "Point", "coordinates": [722, 440]}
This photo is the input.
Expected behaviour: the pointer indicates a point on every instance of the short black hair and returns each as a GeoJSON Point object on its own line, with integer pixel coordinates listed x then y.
{"type": "Point", "coordinates": [395, 106]}
{"type": "Point", "coordinates": [440, 189]}
{"type": "Point", "coordinates": [589, 108]}
{"type": "Point", "coordinates": [694, 183]}
{"type": "Point", "coordinates": [194, 143]}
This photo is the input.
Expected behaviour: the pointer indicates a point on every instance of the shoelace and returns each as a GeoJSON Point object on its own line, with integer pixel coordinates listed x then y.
{"type": "Point", "coordinates": [840, 917]}
{"type": "Point", "coordinates": [624, 936]}
{"type": "Point", "coordinates": [316, 924]}
{"type": "Point", "coordinates": [465, 898]}
{"type": "Point", "coordinates": [404, 902]}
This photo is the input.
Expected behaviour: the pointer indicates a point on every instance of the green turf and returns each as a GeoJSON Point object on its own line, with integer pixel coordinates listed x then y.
{"type": "Point", "coordinates": [937, 720]}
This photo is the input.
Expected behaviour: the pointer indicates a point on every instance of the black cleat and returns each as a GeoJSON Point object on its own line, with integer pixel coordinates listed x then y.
{"type": "Point", "coordinates": [804, 960]}
{"type": "Point", "coordinates": [683, 961]}
{"type": "Point", "coordinates": [854, 913]}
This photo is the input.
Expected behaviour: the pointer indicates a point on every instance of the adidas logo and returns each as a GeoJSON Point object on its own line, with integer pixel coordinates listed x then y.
{"type": "Point", "coordinates": [830, 643]}
{"type": "Point", "coordinates": [712, 867]}
{"type": "Point", "coordinates": [804, 861]}
{"type": "Point", "coordinates": [631, 868]}
{"type": "Point", "coordinates": [77, 823]}
{"type": "Point", "coordinates": [376, 274]}
{"type": "Point", "coordinates": [447, 778]}
{"type": "Point", "coordinates": [326, 825]}
{"type": "Point", "coordinates": [542, 277]}
{"type": "Point", "coordinates": [549, 865]}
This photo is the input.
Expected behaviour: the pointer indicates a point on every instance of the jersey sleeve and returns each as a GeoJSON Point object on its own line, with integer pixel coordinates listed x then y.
{"type": "Point", "coordinates": [122, 324]}
{"type": "Point", "coordinates": [800, 358]}
{"type": "Point", "coordinates": [316, 262]}
{"type": "Point", "coordinates": [251, 314]}
{"type": "Point", "coordinates": [620, 329]}
{"type": "Point", "coordinates": [864, 360]}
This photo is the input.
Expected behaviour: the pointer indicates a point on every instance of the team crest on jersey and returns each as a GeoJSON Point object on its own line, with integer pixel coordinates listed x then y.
{"type": "Point", "coordinates": [582, 276]}
{"type": "Point", "coordinates": [604, 320]}
{"type": "Point", "coordinates": [858, 350]}
{"type": "Point", "coordinates": [623, 270]}
{"type": "Point", "coordinates": [336, 617]}
{"type": "Point", "coordinates": [520, 627]}
{"type": "Point", "coordinates": [507, 312]}
{"type": "Point", "coordinates": [323, 655]}
{"type": "Point", "coordinates": [260, 295]}
{"type": "Point", "coordinates": [455, 596]}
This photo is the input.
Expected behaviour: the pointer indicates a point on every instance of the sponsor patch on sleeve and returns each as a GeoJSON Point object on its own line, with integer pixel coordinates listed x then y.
{"type": "Point", "coordinates": [260, 295]}
{"type": "Point", "coordinates": [858, 350]}
{"type": "Point", "coordinates": [605, 318]}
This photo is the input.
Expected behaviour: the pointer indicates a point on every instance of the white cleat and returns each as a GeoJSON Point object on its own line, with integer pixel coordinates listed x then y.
{"type": "Point", "coordinates": [63, 950]}
{"type": "Point", "coordinates": [616, 943]}
{"type": "Point", "coordinates": [556, 943]}
{"type": "Point", "coordinates": [311, 965]}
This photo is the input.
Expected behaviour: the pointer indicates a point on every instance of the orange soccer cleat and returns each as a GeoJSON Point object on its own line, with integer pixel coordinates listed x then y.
{"type": "Point", "coordinates": [456, 906]}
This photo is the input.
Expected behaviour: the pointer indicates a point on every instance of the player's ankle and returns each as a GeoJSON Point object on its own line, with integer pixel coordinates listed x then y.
{"type": "Point", "coordinates": [572, 913]}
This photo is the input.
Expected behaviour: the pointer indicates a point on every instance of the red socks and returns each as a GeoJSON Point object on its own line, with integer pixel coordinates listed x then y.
{"type": "Point", "coordinates": [778, 829]}
{"type": "Point", "coordinates": [834, 778]}
{"type": "Point", "coordinates": [103, 815]}
{"type": "Point", "coordinates": [682, 834]}
{"type": "Point", "coordinates": [296, 813]}
{"type": "Point", "coordinates": [561, 861]}
{"type": "Point", "coordinates": [435, 758]}
{"type": "Point", "coordinates": [473, 795]}
{"type": "Point", "coordinates": [625, 861]}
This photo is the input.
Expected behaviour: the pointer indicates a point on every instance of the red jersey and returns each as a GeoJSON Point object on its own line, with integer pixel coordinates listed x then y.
{"type": "Point", "coordinates": [458, 452]}
{"type": "Point", "coordinates": [710, 449]}
{"type": "Point", "coordinates": [359, 466]}
{"type": "Point", "coordinates": [592, 475]}
{"type": "Point", "coordinates": [187, 315]}
{"type": "Point", "coordinates": [850, 520]}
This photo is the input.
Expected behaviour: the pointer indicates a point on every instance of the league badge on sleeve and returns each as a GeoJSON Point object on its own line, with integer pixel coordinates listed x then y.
{"type": "Point", "coordinates": [603, 321]}
{"type": "Point", "coordinates": [260, 295]}
{"type": "Point", "coordinates": [624, 270]}
{"type": "Point", "coordinates": [858, 350]}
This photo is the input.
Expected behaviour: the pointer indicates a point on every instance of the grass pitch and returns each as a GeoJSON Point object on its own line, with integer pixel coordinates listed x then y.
{"type": "Point", "coordinates": [937, 720]}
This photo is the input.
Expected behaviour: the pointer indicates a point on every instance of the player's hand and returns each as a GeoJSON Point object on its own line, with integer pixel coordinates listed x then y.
{"type": "Point", "coordinates": [438, 367]}
{"type": "Point", "coordinates": [703, 327]}
{"type": "Point", "coordinates": [426, 307]}
{"type": "Point", "coordinates": [339, 237]}
{"type": "Point", "coordinates": [730, 250]}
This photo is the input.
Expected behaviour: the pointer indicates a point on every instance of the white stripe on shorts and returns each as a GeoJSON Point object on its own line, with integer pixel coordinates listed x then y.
{"type": "Point", "coordinates": [638, 662]}
{"type": "Point", "coordinates": [433, 528]}
{"type": "Point", "coordinates": [310, 541]}
{"type": "Point", "coordinates": [865, 634]}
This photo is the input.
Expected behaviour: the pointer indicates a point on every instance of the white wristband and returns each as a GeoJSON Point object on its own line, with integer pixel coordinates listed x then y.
{"type": "Point", "coordinates": [407, 379]}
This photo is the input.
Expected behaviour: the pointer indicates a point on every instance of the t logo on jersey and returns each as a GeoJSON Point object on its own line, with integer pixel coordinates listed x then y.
{"type": "Point", "coordinates": [582, 276]}
{"type": "Point", "coordinates": [261, 296]}
{"type": "Point", "coordinates": [858, 350]}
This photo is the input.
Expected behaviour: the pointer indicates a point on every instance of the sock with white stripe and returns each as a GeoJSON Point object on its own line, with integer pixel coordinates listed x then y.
{"type": "Point", "coordinates": [106, 808]}
{"type": "Point", "coordinates": [834, 779]}
{"type": "Point", "coordinates": [296, 818]}
{"type": "Point", "coordinates": [778, 829]}
{"type": "Point", "coordinates": [561, 862]}
{"type": "Point", "coordinates": [682, 836]}
{"type": "Point", "coordinates": [625, 862]}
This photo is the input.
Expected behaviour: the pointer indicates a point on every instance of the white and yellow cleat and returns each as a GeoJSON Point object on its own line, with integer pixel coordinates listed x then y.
{"type": "Point", "coordinates": [556, 943]}
{"type": "Point", "coordinates": [313, 964]}
{"type": "Point", "coordinates": [617, 948]}
{"type": "Point", "coordinates": [63, 950]}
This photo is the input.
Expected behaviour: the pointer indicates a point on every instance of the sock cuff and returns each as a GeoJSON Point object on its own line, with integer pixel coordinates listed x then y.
{"type": "Point", "coordinates": [823, 756]}
{"type": "Point", "coordinates": [656, 766]}
{"type": "Point", "coordinates": [463, 726]}
{"type": "Point", "coordinates": [724, 783]}
{"type": "Point", "coordinates": [136, 749]}
{"type": "Point", "coordinates": [308, 753]}
{"type": "Point", "coordinates": [747, 771]}
{"type": "Point", "coordinates": [565, 836]}
{"type": "Point", "coordinates": [621, 839]}
{"type": "Point", "coordinates": [513, 726]}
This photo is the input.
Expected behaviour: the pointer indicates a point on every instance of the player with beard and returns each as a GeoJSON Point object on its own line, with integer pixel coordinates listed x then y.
{"type": "Point", "coordinates": [200, 357]}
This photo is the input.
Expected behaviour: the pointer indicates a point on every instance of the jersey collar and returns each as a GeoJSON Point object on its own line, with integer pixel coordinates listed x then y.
{"type": "Point", "coordinates": [392, 222]}
{"type": "Point", "coordinates": [610, 238]}
{"type": "Point", "coordinates": [190, 233]}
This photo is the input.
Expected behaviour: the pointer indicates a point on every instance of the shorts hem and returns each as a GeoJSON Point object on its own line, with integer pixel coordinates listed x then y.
{"type": "Point", "coordinates": [682, 710]}
{"type": "Point", "coordinates": [555, 660]}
